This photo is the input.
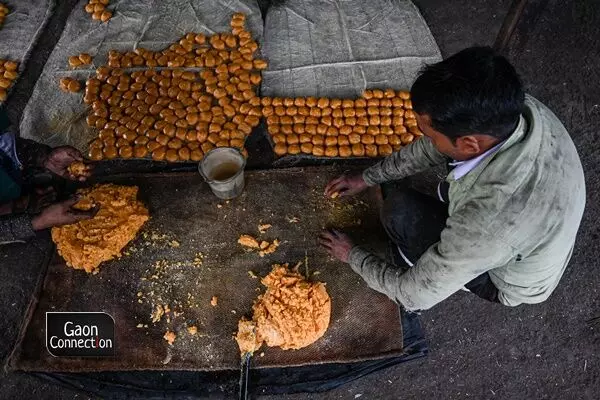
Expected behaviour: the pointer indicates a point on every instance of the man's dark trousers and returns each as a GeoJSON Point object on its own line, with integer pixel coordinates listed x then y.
{"type": "Point", "coordinates": [414, 222]}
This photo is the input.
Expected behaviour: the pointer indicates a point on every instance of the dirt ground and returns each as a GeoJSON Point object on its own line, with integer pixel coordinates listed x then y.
{"type": "Point", "coordinates": [477, 350]}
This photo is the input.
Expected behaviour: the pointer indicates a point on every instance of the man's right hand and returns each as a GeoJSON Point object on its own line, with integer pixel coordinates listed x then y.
{"type": "Point", "coordinates": [345, 185]}
{"type": "Point", "coordinates": [61, 214]}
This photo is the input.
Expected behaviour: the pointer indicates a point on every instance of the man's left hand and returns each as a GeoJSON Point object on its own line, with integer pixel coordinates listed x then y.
{"type": "Point", "coordinates": [59, 160]}
{"type": "Point", "coordinates": [337, 244]}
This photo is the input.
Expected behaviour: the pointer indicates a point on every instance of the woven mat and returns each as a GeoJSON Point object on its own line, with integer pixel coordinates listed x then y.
{"type": "Point", "coordinates": [364, 324]}
{"type": "Point", "coordinates": [339, 48]}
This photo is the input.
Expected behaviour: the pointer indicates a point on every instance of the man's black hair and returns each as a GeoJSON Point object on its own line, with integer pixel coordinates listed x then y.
{"type": "Point", "coordinates": [474, 91]}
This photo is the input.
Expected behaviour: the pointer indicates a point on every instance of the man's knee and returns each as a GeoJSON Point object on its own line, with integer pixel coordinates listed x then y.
{"type": "Point", "coordinates": [413, 220]}
{"type": "Point", "coordinates": [395, 207]}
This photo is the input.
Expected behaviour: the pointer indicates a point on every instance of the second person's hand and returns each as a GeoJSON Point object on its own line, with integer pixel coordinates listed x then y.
{"type": "Point", "coordinates": [61, 158]}
{"type": "Point", "coordinates": [60, 214]}
{"type": "Point", "coordinates": [345, 185]}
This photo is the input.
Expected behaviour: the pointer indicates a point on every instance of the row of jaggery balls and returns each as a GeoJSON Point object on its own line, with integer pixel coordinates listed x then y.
{"type": "Point", "coordinates": [8, 75]}
{"type": "Point", "coordinates": [97, 9]}
{"type": "Point", "coordinates": [172, 114]}
{"type": "Point", "coordinates": [235, 50]}
{"type": "Point", "coordinates": [377, 124]}
{"type": "Point", "coordinates": [196, 50]}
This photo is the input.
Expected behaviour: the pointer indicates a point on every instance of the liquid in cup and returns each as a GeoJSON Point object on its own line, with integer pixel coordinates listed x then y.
{"type": "Point", "coordinates": [223, 170]}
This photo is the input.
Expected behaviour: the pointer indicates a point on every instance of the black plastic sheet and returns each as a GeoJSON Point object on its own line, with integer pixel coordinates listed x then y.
{"type": "Point", "coordinates": [312, 378]}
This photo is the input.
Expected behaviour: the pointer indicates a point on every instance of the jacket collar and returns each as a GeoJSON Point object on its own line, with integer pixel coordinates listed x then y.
{"type": "Point", "coordinates": [514, 138]}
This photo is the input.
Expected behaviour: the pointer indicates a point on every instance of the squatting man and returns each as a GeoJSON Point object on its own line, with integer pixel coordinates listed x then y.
{"type": "Point", "coordinates": [504, 222]}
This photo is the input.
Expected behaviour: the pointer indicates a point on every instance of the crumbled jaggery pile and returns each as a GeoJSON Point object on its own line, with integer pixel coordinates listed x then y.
{"type": "Point", "coordinates": [86, 244]}
{"type": "Point", "coordinates": [292, 313]}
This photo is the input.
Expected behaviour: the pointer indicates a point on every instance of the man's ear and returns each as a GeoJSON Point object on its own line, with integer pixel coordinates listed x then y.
{"type": "Point", "coordinates": [468, 145]}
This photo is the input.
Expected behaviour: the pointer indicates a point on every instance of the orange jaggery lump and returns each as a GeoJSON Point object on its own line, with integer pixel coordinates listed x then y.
{"type": "Point", "coordinates": [246, 337]}
{"type": "Point", "coordinates": [170, 337]}
{"type": "Point", "coordinates": [248, 241]}
{"type": "Point", "coordinates": [292, 313]}
{"type": "Point", "coordinates": [77, 169]}
{"type": "Point", "coordinates": [86, 244]}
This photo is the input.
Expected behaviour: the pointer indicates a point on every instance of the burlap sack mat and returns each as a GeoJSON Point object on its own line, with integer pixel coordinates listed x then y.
{"type": "Point", "coordinates": [186, 220]}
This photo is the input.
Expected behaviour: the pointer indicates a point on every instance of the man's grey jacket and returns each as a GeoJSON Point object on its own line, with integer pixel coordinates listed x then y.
{"type": "Point", "coordinates": [515, 215]}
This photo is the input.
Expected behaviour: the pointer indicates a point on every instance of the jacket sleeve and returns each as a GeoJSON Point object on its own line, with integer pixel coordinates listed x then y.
{"type": "Point", "coordinates": [15, 228]}
{"type": "Point", "coordinates": [416, 157]}
{"type": "Point", "coordinates": [31, 153]}
{"type": "Point", "coordinates": [465, 251]}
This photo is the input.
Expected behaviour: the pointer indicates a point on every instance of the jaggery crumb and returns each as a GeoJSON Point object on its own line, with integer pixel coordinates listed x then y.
{"type": "Point", "coordinates": [192, 330]}
{"type": "Point", "coordinates": [248, 241]}
{"type": "Point", "coordinates": [170, 337]}
{"type": "Point", "coordinates": [159, 311]}
{"type": "Point", "coordinates": [262, 228]}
